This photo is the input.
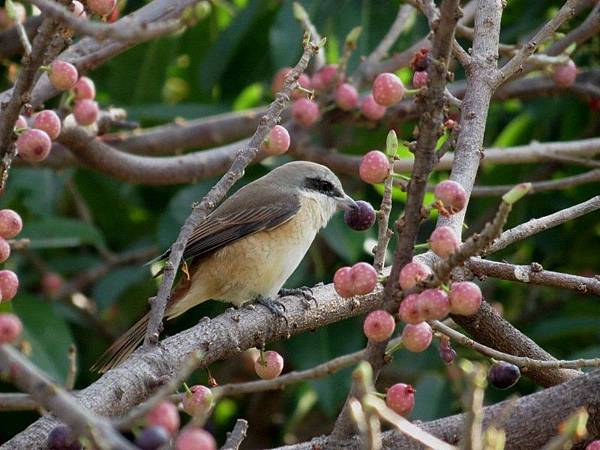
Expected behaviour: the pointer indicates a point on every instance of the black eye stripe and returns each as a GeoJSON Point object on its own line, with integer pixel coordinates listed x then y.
{"type": "Point", "coordinates": [323, 186]}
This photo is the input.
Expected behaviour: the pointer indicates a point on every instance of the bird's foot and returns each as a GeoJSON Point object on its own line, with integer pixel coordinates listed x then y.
{"type": "Point", "coordinates": [276, 307]}
{"type": "Point", "coordinates": [305, 293]}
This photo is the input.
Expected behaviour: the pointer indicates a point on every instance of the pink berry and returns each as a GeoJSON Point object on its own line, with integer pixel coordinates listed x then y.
{"type": "Point", "coordinates": [84, 89]}
{"type": "Point", "coordinates": [371, 109]}
{"type": "Point", "coordinates": [452, 195]}
{"type": "Point", "coordinates": [444, 241]}
{"type": "Point", "coordinates": [198, 401]}
{"type": "Point", "coordinates": [465, 298]}
{"type": "Point", "coordinates": [10, 328]}
{"type": "Point", "coordinates": [446, 352]}
{"type": "Point", "coordinates": [4, 250]}
{"type": "Point", "coordinates": [279, 79]}
{"type": "Point", "coordinates": [413, 273]}
{"type": "Point", "coordinates": [400, 398]}
{"type": "Point", "coordinates": [433, 304]}
{"type": "Point", "coordinates": [48, 121]}
{"type": "Point", "coordinates": [85, 111]}
{"type": "Point", "coordinates": [278, 141]}
{"type": "Point", "coordinates": [387, 89]}
{"type": "Point", "coordinates": [364, 278]}
{"type": "Point", "coordinates": [305, 112]}
{"type": "Point", "coordinates": [342, 282]}
{"type": "Point", "coordinates": [195, 439]}
{"type": "Point", "coordinates": [77, 9]}
{"type": "Point", "coordinates": [271, 367]}
{"type": "Point", "coordinates": [346, 97]}
{"type": "Point", "coordinates": [11, 223]}
{"type": "Point", "coordinates": [594, 445]}
{"type": "Point", "coordinates": [249, 357]}
{"type": "Point", "coordinates": [420, 79]}
{"type": "Point", "coordinates": [33, 145]}
{"type": "Point", "coordinates": [324, 77]}
{"type": "Point", "coordinates": [379, 325]}
{"type": "Point", "coordinates": [303, 82]}
{"type": "Point", "coordinates": [101, 7]}
{"type": "Point", "coordinates": [421, 60]}
{"type": "Point", "coordinates": [9, 284]}
{"type": "Point", "coordinates": [409, 311]}
{"type": "Point", "coordinates": [164, 415]}
{"type": "Point", "coordinates": [449, 124]}
{"type": "Point", "coordinates": [63, 75]}
{"type": "Point", "coordinates": [565, 74]}
{"type": "Point", "coordinates": [21, 123]}
{"type": "Point", "coordinates": [51, 283]}
{"type": "Point", "coordinates": [416, 338]}
{"type": "Point", "coordinates": [374, 167]}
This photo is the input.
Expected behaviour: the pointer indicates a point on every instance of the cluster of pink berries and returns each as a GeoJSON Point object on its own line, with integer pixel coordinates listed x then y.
{"type": "Point", "coordinates": [34, 144]}
{"type": "Point", "coordinates": [162, 426]}
{"type": "Point", "coordinates": [10, 226]}
{"type": "Point", "coordinates": [387, 90]}
{"type": "Point", "coordinates": [360, 279]}
{"type": "Point", "coordinates": [64, 76]}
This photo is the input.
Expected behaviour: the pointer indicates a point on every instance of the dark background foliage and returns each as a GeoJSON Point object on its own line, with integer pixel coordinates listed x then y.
{"type": "Point", "coordinates": [226, 63]}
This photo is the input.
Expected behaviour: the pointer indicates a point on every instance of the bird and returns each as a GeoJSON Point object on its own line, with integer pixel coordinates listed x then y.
{"type": "Point", "coordinates": [247, 248]}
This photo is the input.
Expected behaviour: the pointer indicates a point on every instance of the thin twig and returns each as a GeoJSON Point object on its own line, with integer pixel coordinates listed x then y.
{"type": "Point", "coordinates": [236, 436]}
{"type": "Point", "coordinates": [473, 404]}
{"type": "Point", "coordinates": [533, 274]}
{"type": "Point", "coordinates": [534, 226]}
{"type": "Point", "coordinates": [517, 62]}
{"type": "Point", "coordinates": [23, 38]}
{"type": "Point", "coordinates": [384, 233]}
{"type": "Point", "coordinates": [72, 372]}
{"type": "Point", "coordinates": [591, 176]}
{"type": "Point", "coordinates": [521, 361]}
{"type": "Point", "coordinates": [404, 426]}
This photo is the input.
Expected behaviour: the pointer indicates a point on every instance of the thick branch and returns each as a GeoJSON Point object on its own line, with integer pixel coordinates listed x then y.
{"type": "Point", "coordinates": [54, 398]}
{"type": "Point", "coordinates": [117, 391]}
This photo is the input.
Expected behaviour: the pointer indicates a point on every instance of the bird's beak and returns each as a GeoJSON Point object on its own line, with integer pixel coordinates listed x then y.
{"type": "Point", "coordinates": [347, 203]}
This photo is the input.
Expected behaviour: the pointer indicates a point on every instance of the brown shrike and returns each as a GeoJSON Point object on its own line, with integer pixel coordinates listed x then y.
{"type": "Point", "coordinates": [249, 246]}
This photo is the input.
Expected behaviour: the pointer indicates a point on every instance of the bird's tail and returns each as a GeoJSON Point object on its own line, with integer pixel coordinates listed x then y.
{"type": "Point", "coordinates": [122, 347]}
{"type": "Point", "coordinates": [128, 342]}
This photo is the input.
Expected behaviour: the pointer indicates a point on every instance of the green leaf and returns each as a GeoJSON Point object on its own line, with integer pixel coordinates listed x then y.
{"type": "Point", "coordinates": [61, 232]}
{"type": "Point", "coordinates": [47, 333]}
{"type": "Point", "coordinates": [515, 131]}
{"type": "Point", "coordinates": [108, 289]}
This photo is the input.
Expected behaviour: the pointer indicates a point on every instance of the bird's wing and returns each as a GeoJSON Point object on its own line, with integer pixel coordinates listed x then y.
{"type": "Point", "coordinates": [219, 230]}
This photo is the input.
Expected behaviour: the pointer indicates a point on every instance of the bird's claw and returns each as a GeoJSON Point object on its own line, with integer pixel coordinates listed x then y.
{"type": "Point", "coordinates": [305, 293]}
{"type": "Point", "coordinates": [274, 306]}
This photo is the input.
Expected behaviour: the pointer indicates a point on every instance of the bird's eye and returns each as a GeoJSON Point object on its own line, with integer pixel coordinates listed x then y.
{"type": "Point", "coordinates": [323, 186]}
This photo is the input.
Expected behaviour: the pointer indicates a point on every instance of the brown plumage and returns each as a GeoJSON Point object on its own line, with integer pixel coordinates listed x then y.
{"type": "Point", "coordinates": [250, 245]}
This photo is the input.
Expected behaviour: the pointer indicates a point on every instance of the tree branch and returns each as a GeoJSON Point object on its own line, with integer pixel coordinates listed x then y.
{"type": "Point", "coordinates": [534, 274]}
{"type": "Point", "coordinates": [534, 226]}
{"type": "Point", "coordinates": [54, 398]}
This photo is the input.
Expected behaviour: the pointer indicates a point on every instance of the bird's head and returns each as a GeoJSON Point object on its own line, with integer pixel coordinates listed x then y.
{"type": "Point", "coordinates": [315, 180]}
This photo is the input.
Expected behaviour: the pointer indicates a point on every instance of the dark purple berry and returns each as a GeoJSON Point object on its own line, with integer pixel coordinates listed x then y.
{"type": "Point", "coordinates": [447, 353]}
{"type": "Point", "coordinates": [152, 438]}
{"type": "Point", "coordinates": [61, 438]}
{"type": "Point", "coordinates": [504, 375]}
{"type": "Point", "coordinates": [361, 218]}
